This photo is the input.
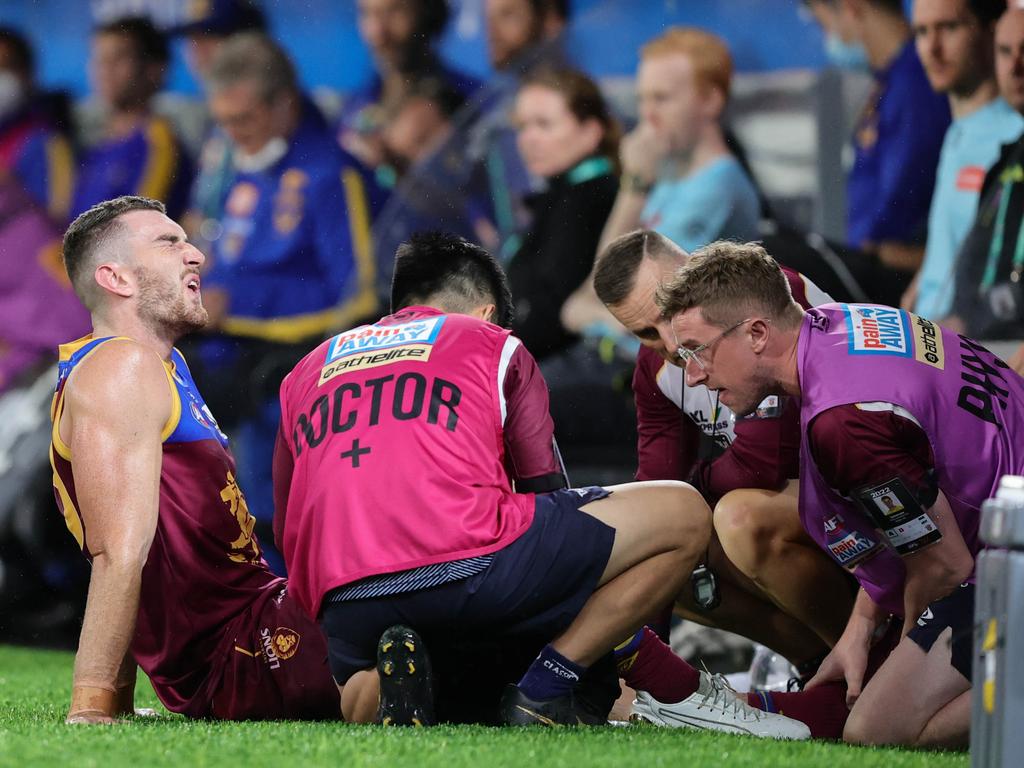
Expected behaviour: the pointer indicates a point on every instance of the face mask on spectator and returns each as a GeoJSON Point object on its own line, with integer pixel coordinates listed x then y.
{"type": "Point", "coordinates": [844, 55]}
{"type": "Point", "coordinates": [262, 159]}
{"type": "Point", "coordinates": [11, 94]}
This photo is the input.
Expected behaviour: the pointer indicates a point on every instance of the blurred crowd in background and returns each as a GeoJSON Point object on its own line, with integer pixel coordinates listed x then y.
{"type": "Point", "coordinates": [892, 174]}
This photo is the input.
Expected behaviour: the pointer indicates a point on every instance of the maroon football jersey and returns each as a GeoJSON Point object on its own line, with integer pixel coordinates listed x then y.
{"type": "Point", "coordinates": [204, 573]}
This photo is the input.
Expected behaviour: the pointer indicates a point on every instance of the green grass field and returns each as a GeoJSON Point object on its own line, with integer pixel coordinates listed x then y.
{"type": "Point", "coordinates": [33, 696]}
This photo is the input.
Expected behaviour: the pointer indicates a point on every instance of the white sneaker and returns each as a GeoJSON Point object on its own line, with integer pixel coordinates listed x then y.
{"type": "Point", "coordinates": [717, 707]}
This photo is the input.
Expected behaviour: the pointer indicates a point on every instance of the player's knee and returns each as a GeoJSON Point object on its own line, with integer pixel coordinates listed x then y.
{"type": "Point", "coordinates": [749, 538]}
{"type": "Point", "coordinates": [861, 728]}
{"type": "Point", "coordinates": [855, 730]}
{"type": "Point", "coordinates": [688, 517]}
{"type": "Point", "coordinates": [732, 516]}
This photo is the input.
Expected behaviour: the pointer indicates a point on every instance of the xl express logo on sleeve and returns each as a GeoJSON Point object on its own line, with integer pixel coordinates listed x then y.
{"type": "Point", "coordinates": [370, 346]}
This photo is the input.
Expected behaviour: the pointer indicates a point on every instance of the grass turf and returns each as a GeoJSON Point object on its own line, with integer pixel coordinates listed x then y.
{"type": "Point", "coordinates": [33, 699]}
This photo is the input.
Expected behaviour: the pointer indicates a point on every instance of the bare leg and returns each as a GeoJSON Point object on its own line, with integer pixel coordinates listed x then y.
{"type": "Point", "coordinates": [360, 696]}
{"type": "Point", "coordinates": [950, 728]}
{"type": "Point", "coordinates": [761, 533]}
{"type": "Point", "coordinates": [923, 685]}
{"type": "Point", "coordinates": [661, 529]}
{"type": "Point", "coordinates": [747, 611]}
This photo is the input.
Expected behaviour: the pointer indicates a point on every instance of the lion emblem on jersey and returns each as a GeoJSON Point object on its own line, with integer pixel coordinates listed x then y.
{"type": "Point", "coordinates": [286, 642]}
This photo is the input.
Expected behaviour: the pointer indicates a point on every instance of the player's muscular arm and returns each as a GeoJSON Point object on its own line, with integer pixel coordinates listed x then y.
{"type": "Point", "coordinates": [936, 570]}
{"type": "Point", "coordinates": [116, 405]}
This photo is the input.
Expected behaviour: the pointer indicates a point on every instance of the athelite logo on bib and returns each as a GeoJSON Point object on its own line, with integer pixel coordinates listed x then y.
{"type": "Point", "coordinates": [370, 346]}
{"type": "Point", "coordinates": [876, 330]}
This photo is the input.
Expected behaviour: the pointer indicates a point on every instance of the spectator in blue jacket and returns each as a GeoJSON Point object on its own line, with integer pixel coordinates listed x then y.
{"type": "Point", "coordinates": [294, 260]}
{"type": "Point", "coordinates": [33, 148]}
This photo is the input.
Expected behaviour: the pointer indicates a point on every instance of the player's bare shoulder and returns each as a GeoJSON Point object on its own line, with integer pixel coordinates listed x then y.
{"type": "Point", "coordinates": [119, 381]}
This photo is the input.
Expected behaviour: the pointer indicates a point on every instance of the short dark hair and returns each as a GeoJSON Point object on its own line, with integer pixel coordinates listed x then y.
{"type": "Point", "coordinates": [150, 43]}
{"type": "Point", "coordinates": [450, 271]}
{"type": "Point", "coordinates": [431, 18]}
{"type": "Point", "coordinates": [895, 7]}
{"type": "Point", "coordinates": [559, 7]}
{"type": "Point", "coordinates": [91, 229]}
{"type": "Point", "coordinates": [616, 266]}
{"type": "Point", "coordinates": [444, 96]}
{"type": "Point", "coordinates": [986, 11]}
{"type": "Point", "coordinates": [21, 50]}
{"type": "Point", "coordinates": [890, 6]}
{"type": "Point", "coordinates": [727, 281]}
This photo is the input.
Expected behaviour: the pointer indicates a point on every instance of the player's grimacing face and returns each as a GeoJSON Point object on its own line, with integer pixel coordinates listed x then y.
{"type": "Point", "coordinates": [166, 269]}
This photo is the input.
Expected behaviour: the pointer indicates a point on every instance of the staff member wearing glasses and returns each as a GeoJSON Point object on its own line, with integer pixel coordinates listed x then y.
{"type": "Point", "coordinates": [905, 429]}
{"type": "Point", "coordinates": [771, 583]}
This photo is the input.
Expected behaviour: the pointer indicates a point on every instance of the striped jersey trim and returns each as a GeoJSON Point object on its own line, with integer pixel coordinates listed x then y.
{"type": "Point", "coordinates": [511, 343]}
{"type": "Point", "coordinates": [412, 580]}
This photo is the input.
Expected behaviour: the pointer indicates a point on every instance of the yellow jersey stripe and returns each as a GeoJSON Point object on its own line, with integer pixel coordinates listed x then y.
{"type": "Point", "coordinates": [175, 417]}
{"type": "Point", "coordinates": [285, 329]}
{"type": "Point", "coordinates": [71, 517]}
{"type": "Point", "coordinates": [364, 302]}
{"type": "Point", "coordinates": [60, 171]}
{"type": "Point", "coordinates": [162, 163]}
{"type": "Point", "coordinates": [62, 448]}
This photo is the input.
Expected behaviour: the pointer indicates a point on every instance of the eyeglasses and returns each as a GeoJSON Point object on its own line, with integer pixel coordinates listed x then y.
{"type": "Point", "coordinates": [686, 355]}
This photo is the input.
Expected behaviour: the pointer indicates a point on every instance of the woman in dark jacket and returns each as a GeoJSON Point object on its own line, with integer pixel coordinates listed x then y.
{"type": "Point", "coordinates": [566, 136]}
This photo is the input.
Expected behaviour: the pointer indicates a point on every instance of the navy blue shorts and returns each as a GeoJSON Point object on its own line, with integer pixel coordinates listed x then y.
{"type": "Point", "coordinates": [956, 611]}
{"type": "Point", "coordinates": [531, 591]}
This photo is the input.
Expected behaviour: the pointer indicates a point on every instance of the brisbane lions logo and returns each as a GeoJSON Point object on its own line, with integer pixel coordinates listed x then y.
{"type": "Point", "coordinates": [286, 642]}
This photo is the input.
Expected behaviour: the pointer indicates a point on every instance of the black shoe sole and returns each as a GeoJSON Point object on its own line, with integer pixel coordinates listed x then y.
{"type": "Point", "coordinates": [406, 686]}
